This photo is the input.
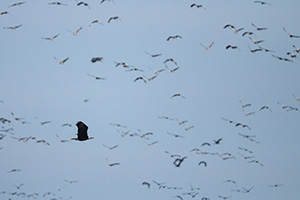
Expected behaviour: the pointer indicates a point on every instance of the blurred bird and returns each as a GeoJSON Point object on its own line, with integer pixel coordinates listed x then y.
{"type": "Point", "coordinates": [153, 55]}
{"type": "Point", "coordinates": [94, 22]}
{"type": "Point", "coordinates": [290, 35]}
{"type": "Point", "coordinates": [76, 32]}
{"type": "Point", "coordinates": [17, 4]}
{"type": "Point", "coordinates": [61, 61]}
{"type": "Point", "coordinates": [177, 162]}
{"type": "Point", "coordinates": [57, 3]}
{"type": "Point", "coordinates": [51, 38]}
{"type": "Point", "coordinates": [96, 77]}
{"type": "Point", "coordinates": [203, 162]}
{"type": "Point", "coordinates": [258, 28]}
{"type": "Point", "coordinates": [207, 48]}
{"type": "Point", "coordinates": [197, 6]}
{"type": "Point", "coordinates": [174, 37]}
{"type": "Point", "coordinates": [83, 3]}
{"type": "Point", "coordinates": [113, 18]}
{"type": "Point", "coordinates": [262, 3]}
{"type": "Point", "coordinates": [13, 27]}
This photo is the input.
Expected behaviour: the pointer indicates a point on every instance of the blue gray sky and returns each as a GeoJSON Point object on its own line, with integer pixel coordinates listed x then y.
{"type": "Point", "coordinates": [211, 90]}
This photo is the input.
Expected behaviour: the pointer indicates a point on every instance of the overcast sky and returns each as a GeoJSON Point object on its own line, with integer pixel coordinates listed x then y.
{"type": "Point", "coordinates": [235, 110]}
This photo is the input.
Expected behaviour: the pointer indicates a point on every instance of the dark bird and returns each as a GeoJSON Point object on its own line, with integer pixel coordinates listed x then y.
{"type": "Point", "coordinates": [290, 35]}
{"type": "Point", "coordinates": [146, 183]}
{"type": "Point", "coordinates": [174, 37]}
{"type": "Point", "coordinates": [51, 38]}
{"type": "Point", "coordinates": [5, 13]}
{"type": "Point", "coordinates": [95, 21]}
{"type": "Point", "coordinates": [265, 108]}
{"type": "Point", "coordinates": [170, 60]}
{"type": "Point", "coordinates": [203, 162]}
{"type": "Point", "coordinates": [112, 164]}
{"type": "Point", "coordinates": [276, 185]}
{"type": "Point", "coordinates": [17, 4]}
{"type": "Point", "coordinates": [297, 49]}
{"type": "Point", "coordinates": [230, 181]}
{"type": "Point", "coordinates": [140, 78]}
{"type": "Point", "coordinates": [71, 182]}
{"type": "Point", "coordinates": [229, 26]}
{"type": "Point", "coordinates": [197, 6]}
{"type": "Point", "coordinates": [172, 155]}
{"type": "Point", "coordinates": [265, 50]}
{"type": "Point", "coordinates": [172, 70]}
{"type": "Point", "coordinates": [175, 135]}
{"type": "Point", "coordinates": [82, 132]}
{"type": "Point", "coordinates": [242, 125]}
{"type": "Point", "coordinates": [113, 18]}
{"type": "Point", "coordinates": [83, 3]}
{"type": "Point", "coordinates": [297, 99]}
{"type": "Point", "coordinates": [205, 143]}
{"type": "Point", "coordinates": [96, 59]}
{"type": "Point", "coordinates": [14, 170]}
{"type": "Point", "coordinates": [224, 197]}
{"type": "Point", "coordinates": [57, 3]}
{"type": "Point", "coordinates": [281, 58]}
{"type": "Point", "coordinates": [61, 61]}
{"type": "Point", "coordinates": [207, 48]}
{"type": "Point", "coordinates": [217, 141]}
{"type": "Point", "coordinates": [258, 28]}
{"type": "Point", "coordinates": [177, 95]}
{"type": "Point", "coordinates": [248, 190]}
{"type": "Point", "coordinates": [232, 47]}
{"type": "Point", "coordinates": [234, 28]}
{"type": "Point", "coordinates": [291, 55]}
{"type": "Point", "coordinates": [13, 27]}
{"type": "Point", "coordinates": [254, 50]}
{"type": "Point", "coordinates": [177, 162]}
{"type": "Point", "coordinates": [247, 33]}
{"type": "Point", "coordinates": [262, 3]}
{"type": "Point", "coordinates": [256, 161]}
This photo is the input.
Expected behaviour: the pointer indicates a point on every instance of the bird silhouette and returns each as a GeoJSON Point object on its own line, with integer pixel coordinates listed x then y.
{"type": "Point", "coordinates": [290, 35]}
{"type": "Point", "coordinates": [51, 38]}
{"type": "Point", "coordinates": [82, 132]}
{"type": "Point", "coordinates": [177, 162]}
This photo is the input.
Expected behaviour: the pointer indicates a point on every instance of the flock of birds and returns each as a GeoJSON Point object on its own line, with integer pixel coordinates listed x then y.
{"type": "Point", "coordinates": [205, 150]}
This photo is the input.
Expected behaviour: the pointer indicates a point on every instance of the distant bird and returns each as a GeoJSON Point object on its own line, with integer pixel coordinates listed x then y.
{"type": "Point", "coordinates": [61, 61]}
{"type": "Point", "coordinates": [177, 162]}
{"type": "Point", "coordinates": [203, 162]}
{"type": "Point", "coordinates": [247, 33]}
{"type": "Point", "coordinates": [172, 155]}
{"type": "Point", "coordinates": [248, 190]}
{"type": "Point", "coordinates": [234, 28]}
{"type": "Point", "coordinates": [188, 128]}
{"type": "Point", "coordinates": [281, 58]}
{"type": "Point", "coordinates": [265, 50]}
{"type": "Point", "coordinates": [291, 55]}
{"type": "Point", "coordinates": [230, 181]}
{"type": "Point", "coordinates": [178, 196]}
{"type": "Point", "coordinates": [177, 95]}
{"type": "Point", "coordinates": [83, 3]}
{"type": "Point", "coordinates": [175, 135]}
{"type": "Point", "coordinates": [197, 6]}
{"type": "Point", "coordinates": [254, 50]}
{"type": "Point", "coordinates": [61, 140]}
{"type": "Point", "coordinates": [242, 125]}
{"type": "Point", "coordinates": [157, 71]}
{"type": "Point", "coordinates": [51, 38]}
{"type": "Point", "coordinates": [256, 161]}
{"type": "Point", "coordinates": [14, 170]}
{"type": "Point", "coordinates": [207, 48]}
{"type": "Point", "coordinates": [265, 108]}
{"type": "Point", "coordinates": [19, 186]}
{"type": "Point", "coordinates": [245, 157]}
{"type": "Point", "coordinates": [232, 47]}
{"type": "Point", "coordinates": [224, 197]}
{"type": "Point", "coordinates": [13, 27]}
{"type": "Point", "coordinates": [57, 3]}
{"type": "Point", "coordinates": [17, 4]}
{"type": "Point", "coordinates": [205, 144]}
{"type": "Point", "coordinates": [96, 59]}
{"type": "Point", "coordinates": [153, 55]}
{"type": "Point", "coordinates": [112, 164]}
{"type": "Point", "coordinates": [170, 60]}
{"type": "Point", "coordinates": [102, 1]}
{"type": "Point", "coordinates": [217, 141]}
{"type": "Point", "coordinates": [247, 114]}
{"type": "Point", "coordinates": [140, 78]}
{"type": "Point", "coordinates": [262, 3]}
{"type": "Point", "coordinates": [146, 183]}
{"type": "Point", "coordinates": [110, 148]}
{"type": "Point", "coordinates": [172, 70]}
{"type": "Point", "coordinates": [297, 49]}
{"type": "Point", "coordinates": [113, 18]}
{"type": "Point", "coordinates": [256, 42]}
{"type": "Point", "coordinates": [276, 185]}
{"type": "Point", "coordinates": [43, 122]}
{"type": "Point", "coordinates": [174, 37]}
{"type": "Point", "coordinates": [290, 35]}
{"type": "Point", "coordinates": [151, 144]}
{"type": "Point", "coordinates": [244, 149]}
{"type": "Point", "coordinates": [297, 99]}
{"type": "Point", "coordinates": [82, 132]}
{"type": "Point", "coordinates": [94, 22]}
{"type": "Point", "coordinates": [181, 122]}
{"type": "Point", "coordinates": [258, 28]}
{"type": "Point", "coordinates": [5, 13]}
{"type": "Point", "coordinates": [118, 125]}
{"type": "Point", "coordinates": [75, 32]}
{"type": "Point", "coordinates": [67, 124]}
{"type": "Point", "coordinates": [96, 77]}
{"type": "Point", "coordinates": [71, 182]}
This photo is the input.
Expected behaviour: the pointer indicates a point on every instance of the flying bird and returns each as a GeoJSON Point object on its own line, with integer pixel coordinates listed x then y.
{"type": "Point", "coordinates": [281, 58]}
{"type": "Point", "coordinates": [290, 35]}
{"type": "Point", "coordinates": [197, 6]}
{"type": "Point", "coordinates": [258, 28]}
{"type": "Point", "coordinates": [217, 141]}
{"type": "Point", "coordinates": [112, 164]}
{"type": "Point", "coordinates": [256, 42]}
{"type": "Point", "coordinates": [174, 37]}
{"type": "Point", "coordinates": [51, 38]}
{"type": "Point", "coordinates": [177, 95]}
{"type": "Point", "coordinates": [96, 77]}
{"type": "Point", "coordinates": [177, 162]}
{"type": "Point", "coordinates": [82, 132]}
{"type": "Point", "coordinates": [113, 18]}
{"type": "Point", "coordinates": [96, 59]}
{"type": "Point", "coordinates": [207, 48]}
{"type": "Point", "coordinates": [76, 32]}
{"type": "Point", "coordinates": [57, 3]}
{"type": "Point", "coordinates": [232, 47]}
{"type": "Point", "coordinates": [110, 148]}
{"type": "Point", "coordinates": [203, 162]}
{"type": "Point", "coordinates": [262, 3]}
{"type": "Point", "coordinates": [94, 22]}
{"type": "Point", "coordinates": [83, 3]}
{"type": "Point", "coordinates": [153, 55]}
{"type": "Point", "coordinates": [146, 183]}
{"type": "Point", "coordinates": [61, 61]}
{"type": "Point", "coordinates": [13, 27]}
{"type": "Point", "coordinates": [17, 4]}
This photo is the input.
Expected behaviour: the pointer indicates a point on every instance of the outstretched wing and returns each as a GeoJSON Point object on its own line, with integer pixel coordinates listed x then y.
{"type": "Point", "coordinates": [82, 131]}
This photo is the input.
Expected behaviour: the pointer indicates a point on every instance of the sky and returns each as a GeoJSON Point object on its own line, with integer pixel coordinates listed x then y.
{"type": "Point", "coordinates": [231, 109]}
